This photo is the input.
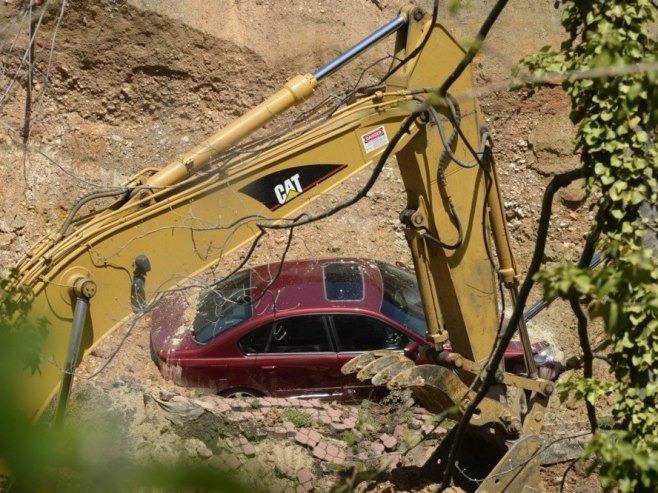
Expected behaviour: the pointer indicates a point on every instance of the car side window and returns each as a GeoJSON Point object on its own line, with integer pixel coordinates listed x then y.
{"type": "Point", "coordinates": [255, 341]}
{"type": "Point", "coordinates": [356, 333]}
{"type": "Point", "coordinates": [289, 335]}
{"type": "Point", "coordinates": [299, 335]}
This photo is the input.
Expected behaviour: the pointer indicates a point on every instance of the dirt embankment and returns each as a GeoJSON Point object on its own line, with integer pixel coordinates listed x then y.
{"type": "Point", "coordinates": [134, 84]}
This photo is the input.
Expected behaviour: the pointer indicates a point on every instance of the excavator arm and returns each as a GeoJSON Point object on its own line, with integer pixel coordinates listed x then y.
{"type": "Point", "coordinates": [168, 225]}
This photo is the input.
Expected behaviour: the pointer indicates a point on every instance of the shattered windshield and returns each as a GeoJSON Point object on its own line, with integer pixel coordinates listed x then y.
{"type": "Point", "coordinates": [225, 305]}
{"type": "Point", "coordinates": [401, 300]}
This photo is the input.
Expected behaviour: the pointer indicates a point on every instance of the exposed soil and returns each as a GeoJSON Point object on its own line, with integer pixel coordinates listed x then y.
{"type": "Point", "coordinates": [132, 85]}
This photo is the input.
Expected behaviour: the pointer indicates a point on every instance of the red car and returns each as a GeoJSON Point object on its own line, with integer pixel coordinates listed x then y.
{"type": "Point", "coordinates": [286, 329]}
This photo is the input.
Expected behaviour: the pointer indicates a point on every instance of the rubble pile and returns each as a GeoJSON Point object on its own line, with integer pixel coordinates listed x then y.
{"type": "Point", "coordinates": [272, 444]}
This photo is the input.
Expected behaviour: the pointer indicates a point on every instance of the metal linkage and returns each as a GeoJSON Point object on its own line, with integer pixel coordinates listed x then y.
{"type": "Point", "coordinates": [84, 289]}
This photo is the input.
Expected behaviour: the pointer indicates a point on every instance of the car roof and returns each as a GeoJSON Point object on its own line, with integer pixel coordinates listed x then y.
{"type": "Point", "coordinates": [315, 285]}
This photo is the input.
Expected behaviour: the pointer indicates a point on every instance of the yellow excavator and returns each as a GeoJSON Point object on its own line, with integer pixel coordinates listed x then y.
{"type": "Point", "coordinates": [119, 249]}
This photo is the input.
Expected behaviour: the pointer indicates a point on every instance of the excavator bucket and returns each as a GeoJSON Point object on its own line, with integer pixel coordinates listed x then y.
{"type": "Point", "coordinates": [433, 386]}
{"type": "Point", "coordinates": [486, 462]}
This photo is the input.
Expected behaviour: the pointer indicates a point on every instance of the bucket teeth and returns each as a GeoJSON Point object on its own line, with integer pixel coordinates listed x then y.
{"type": "Point", "coordinates": [361, 361]}
{"type": "Point", "coordinates": [422, 375]}
{"type": "Point", "coordinates": [437, 388]}
{"type": "Point", "coordinates": [384, 376]}
{"type": "Point", "coordinates": [378, 365]}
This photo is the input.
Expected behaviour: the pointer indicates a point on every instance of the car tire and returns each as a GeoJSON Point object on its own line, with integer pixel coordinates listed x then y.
{"type": "Point", "coordinates": [240, 393]}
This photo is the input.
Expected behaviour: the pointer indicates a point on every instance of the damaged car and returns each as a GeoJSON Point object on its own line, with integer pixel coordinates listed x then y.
{"type": "Point", "coordinates": [286, 329]}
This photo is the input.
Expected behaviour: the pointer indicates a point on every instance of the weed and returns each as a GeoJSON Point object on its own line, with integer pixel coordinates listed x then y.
{"type": "Point", "coordinates": [299, 418]}
{"type": "Point", "coordinates": [411, 439]}
{"type": "Point", "coordinates": [394, 396]}
{"type": "Point", "coordinates": [350, 438]}
{"type": "Point", "coordinates": [369, 422]}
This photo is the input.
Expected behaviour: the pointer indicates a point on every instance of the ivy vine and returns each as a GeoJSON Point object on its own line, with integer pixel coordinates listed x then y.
{"type": "Point", "coordinates": [617, 117]}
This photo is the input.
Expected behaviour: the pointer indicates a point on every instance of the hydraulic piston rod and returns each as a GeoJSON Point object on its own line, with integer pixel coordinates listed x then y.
{"type": "Point", "coordinates": [360, 47]}
{"type": "Point", "coordinates": [295, 91]}
{"type": "Point", "coordinates": [84, 289]}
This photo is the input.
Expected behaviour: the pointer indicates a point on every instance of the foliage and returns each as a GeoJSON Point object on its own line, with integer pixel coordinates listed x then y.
{"type": "Point", "coordinates": [369, 422]}
{"type": "Point", "coordinates": [41, 457]}
{"type": "Point", "coordinates": [297, 417]}
{"type": "Point", "coordinates": [584, 389]}
{"type": "Point", "coordinates": [395, 397]}
{"type": "Point", "coordinates": [624, 462]}
{"type": "Point", "coordinates": [617, 117]}
{"type": "Point", "coordinates": [411, 439]}
{"type": "Point", "coordinates": [15, 302]}
{"type": "Point", "coordinates": [350, 438]}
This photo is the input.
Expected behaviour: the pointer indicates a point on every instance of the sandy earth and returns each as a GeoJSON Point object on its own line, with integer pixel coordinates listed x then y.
{"type": "Point", "coordinates": [135, 84]}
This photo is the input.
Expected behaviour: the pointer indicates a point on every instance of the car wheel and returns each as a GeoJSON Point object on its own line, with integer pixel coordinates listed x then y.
{"type": "Point", "coordinates": [241, 393]}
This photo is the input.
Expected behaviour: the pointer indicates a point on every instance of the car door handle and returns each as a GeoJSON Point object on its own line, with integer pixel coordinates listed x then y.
{"type": "Point", "coordinates": [268, 368]}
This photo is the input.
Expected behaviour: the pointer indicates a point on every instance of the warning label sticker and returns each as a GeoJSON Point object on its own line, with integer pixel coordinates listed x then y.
{"type": "Point", "coordinates": [374, 139]}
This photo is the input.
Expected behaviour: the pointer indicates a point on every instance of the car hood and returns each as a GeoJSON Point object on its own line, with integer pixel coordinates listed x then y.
{"type": "Point", "coordinates": [171, 325]}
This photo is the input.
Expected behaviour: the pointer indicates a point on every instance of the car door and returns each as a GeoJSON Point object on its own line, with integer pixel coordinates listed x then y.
{"type": "Point", "coordinates": [219, 372]}
{"type": "Point", "coordinates": [299, 359]}
{"type": "Point", "coordinates": [356, 334]}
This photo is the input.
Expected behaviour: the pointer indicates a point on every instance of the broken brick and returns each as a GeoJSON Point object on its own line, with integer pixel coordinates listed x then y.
{"type": "Point", "coordinates": [392, 461]}
{"type": "Point", "coordinates": [389, 441]}
{"type": "Point", "coordinates": [227, 461]}
{"type": "Point", "coordinates": [279, 432]}
{"type": "Point", "coordinates": [301, 437]}
{"type": "Point", "coordinates": [339, 426]}
{"type": "Point", "coordinates": [248, 449]}
{"type": "Point", "coordinates": [289, 425]}
{"type": "Point", "coordinates": [305, 476]}
{"type": "Point", "coordinates": [377, 447]}
{"type": "Point", "coordinates": [313, 438]}
{"type": "Point", "coordinates": [320, 452]}
{"type": "Point", "coordinates": [335, 454]}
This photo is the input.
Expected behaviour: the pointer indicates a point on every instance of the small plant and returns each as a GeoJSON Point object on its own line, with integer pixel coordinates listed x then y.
{"type": "Point", "coordinates": [369, 423]}
{"type": "Point", "coordinates": [299, 418]}
{"type": "Point", "coordinates": [395, 396]}
{"type": "Point", "coordinates": [412, 439]}
{"type": "Point", "coordinates": [350, 438]}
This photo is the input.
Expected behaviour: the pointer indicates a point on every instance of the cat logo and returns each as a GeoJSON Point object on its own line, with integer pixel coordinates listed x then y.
{"type": "Point", "coordinates": [279, 188]}
{"type": "Point", "coordinates": [288, 190]}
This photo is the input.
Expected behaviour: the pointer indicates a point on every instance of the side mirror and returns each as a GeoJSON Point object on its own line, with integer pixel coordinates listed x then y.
{"type": "Point", "coordinates": [411, 350]}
